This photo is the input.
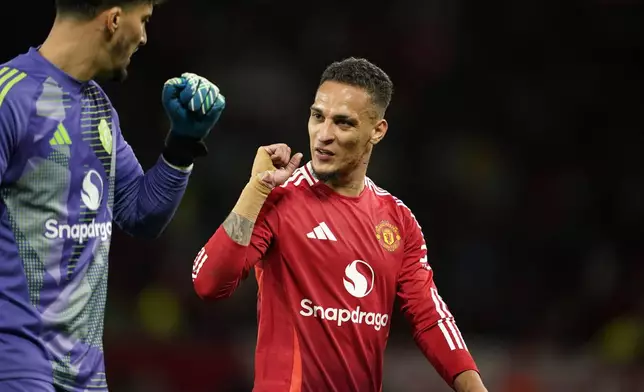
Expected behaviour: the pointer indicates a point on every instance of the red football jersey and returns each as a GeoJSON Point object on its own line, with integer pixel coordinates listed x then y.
{"type": "Point", "coordinates": [329, 268]}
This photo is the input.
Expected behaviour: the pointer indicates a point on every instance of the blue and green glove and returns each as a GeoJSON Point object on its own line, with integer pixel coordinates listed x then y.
{"type": "Point", "coordinates": [193, 104]}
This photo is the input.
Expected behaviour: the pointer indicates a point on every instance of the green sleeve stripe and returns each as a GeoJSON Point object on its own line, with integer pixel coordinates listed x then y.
{"type": "Point", "coordinates": [10, 80]}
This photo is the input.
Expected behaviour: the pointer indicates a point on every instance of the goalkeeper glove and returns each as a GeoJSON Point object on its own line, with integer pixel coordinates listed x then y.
{"type": "Point", "coordinates": [193, 104]}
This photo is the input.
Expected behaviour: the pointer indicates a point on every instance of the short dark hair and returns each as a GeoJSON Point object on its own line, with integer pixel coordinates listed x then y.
{"type": "Point", "coordinates": [360, 72]}
{"type": "Point", "coordinates": [91, 8]}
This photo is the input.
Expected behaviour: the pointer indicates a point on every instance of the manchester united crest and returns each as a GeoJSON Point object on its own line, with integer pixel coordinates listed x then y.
{"type": "Point", "coordinates": [388, 235]}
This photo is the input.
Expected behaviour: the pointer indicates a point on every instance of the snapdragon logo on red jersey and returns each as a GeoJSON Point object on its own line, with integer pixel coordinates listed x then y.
{"type": "Point", "coordinates": [358, 278]}
{"type": "Point", "coordinates": [359, 282]}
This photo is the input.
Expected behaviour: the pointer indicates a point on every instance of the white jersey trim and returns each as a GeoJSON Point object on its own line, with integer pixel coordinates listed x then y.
{"type": "Point", "coordinates": [378, 191]}
{"type": "Point", "coordinates": [301, 174]}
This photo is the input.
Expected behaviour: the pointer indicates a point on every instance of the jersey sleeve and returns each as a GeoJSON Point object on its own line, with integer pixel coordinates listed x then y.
{"type": "Point", "coordinates": [128, 168]}
{"type": "Point", "coordinates": [222, 264]}
{"type": "Point", "coordinates": [433, 326]}
{"type": "Point", "coordinates": [16, 102]}
{"type": "Point", "coordinates": [145, 202]}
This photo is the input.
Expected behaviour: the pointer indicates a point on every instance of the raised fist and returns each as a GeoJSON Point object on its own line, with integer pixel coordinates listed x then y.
{"type": "Point", "coordinates": [274, 164]}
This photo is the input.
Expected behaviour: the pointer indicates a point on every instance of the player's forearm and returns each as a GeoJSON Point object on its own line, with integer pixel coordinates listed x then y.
{"type": "Point", "coordinates": [469, 381]}
{"type": "Point", "coordinates": [227, 258]}
{"type": "Point", "coordinates": [239, 228]}
{"type": "Point", "coordinates": [146, 205]}
{"type": "Point", "coordinates": [220, 266]}
{"type": "Point", "coordinates": [445, 349]}
{"type": "Point", "coordinates": [240, 222]}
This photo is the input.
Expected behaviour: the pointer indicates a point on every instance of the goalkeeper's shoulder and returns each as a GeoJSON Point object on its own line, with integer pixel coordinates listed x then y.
{"type": "Point", "coordinates": [18, 96]}
{"type": "Point", "coordinates": [18, 87]}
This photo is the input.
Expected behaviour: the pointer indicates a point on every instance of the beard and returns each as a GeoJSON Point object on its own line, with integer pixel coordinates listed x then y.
{"type": "Point", "coordinates": [119, 75]}
{"type": "Point", "coordinates": [331, 176]}
{"type": "Point", "coordinates": [114, 75]}
{"type": "Point", "coordinates": [119, 72]}
{"type": "Point", "coordinates": [340, 172]}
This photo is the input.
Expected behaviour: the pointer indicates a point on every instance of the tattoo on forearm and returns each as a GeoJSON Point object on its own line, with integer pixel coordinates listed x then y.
{"type": "Point", "coordinates": [238, 228]}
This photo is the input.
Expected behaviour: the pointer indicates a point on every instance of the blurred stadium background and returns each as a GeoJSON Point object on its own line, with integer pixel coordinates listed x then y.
{"type": "Point", "coordinates": [516, 137]}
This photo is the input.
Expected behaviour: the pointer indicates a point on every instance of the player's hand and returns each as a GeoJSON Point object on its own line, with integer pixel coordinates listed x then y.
{"type": "Point", "coordinates": [193, 104]}
{"type": "Point", "coordinates": [274, 164]}
{"type": "Point", "coordinates": [469, 381]}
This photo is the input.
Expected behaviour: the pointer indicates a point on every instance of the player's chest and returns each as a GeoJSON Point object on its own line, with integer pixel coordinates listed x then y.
{"type": "Point", "coordinates": [76, 133]}
{"type": "Point", "coordinates": [69, 146]}
{"type": "Point", "coordinates": [323, 240]}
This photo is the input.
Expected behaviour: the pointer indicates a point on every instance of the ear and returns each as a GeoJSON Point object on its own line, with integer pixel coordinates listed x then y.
{"type": "Point", "coordinates": [113, 19]}
{"type": "Point", "coordinates": [379, 131]}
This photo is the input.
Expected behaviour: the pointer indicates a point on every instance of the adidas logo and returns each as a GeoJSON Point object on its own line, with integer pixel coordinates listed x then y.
{"type": "Point", "coordinates": [321, 232]}
{"type": "Point", "coordinates": [61, 137]}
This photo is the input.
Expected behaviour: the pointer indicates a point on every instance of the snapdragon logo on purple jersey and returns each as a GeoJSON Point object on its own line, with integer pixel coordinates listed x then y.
{"type": "Point", "coordinates": [91, 196]}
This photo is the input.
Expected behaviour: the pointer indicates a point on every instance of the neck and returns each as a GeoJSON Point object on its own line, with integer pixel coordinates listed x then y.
{"type": "Point", "coordinates": [352, 183]}
{"type": "Point", "coordinates": [71, 47]}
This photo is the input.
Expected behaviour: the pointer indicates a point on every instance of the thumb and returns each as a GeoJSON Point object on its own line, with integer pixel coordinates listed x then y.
{"type": "Point", "coordinates": [189, 91]}
{"type": "Point", "coordinates": [294, 163]}
{"type": "Point", "coordinates": [171, 90]}
{"type": "Point", "coordinates": [173, 107]}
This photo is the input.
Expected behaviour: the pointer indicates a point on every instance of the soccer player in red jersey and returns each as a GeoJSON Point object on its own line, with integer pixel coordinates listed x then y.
{"type": "Point", "coordinates": [331, 251]}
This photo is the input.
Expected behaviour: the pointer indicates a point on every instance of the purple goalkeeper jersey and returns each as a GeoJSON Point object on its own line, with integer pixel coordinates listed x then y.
{"type": "Point", "coordinates": [66, 174]}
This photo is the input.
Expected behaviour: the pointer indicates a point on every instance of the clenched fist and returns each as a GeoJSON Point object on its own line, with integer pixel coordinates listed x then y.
{"type": "Point", "coordinates": [193, 104]}
{"type": "Point", "coordinates": [274, 164]}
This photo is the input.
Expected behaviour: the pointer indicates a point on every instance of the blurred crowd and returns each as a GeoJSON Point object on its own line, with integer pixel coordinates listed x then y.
{"type": "Point", "coordinates": [516, 138]}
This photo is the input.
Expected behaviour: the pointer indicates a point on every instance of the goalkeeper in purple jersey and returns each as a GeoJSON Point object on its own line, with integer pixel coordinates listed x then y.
{"type": "Point", "coordinates": [66, 174]}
